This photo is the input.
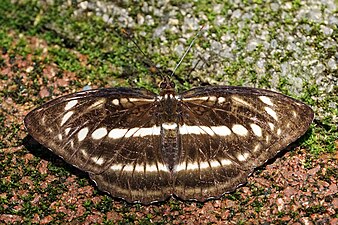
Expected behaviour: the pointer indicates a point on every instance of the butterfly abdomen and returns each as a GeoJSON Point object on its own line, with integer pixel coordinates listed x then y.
{"type": "Point", "coordinates": [170, 144]}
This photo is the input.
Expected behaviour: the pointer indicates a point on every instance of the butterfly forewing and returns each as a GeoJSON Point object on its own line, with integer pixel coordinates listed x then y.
{"type": "Point", "coordinates": [196, 145]}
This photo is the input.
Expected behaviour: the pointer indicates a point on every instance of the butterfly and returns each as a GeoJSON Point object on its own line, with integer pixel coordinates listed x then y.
{"type": "Point", "coordinates": [194, 145]}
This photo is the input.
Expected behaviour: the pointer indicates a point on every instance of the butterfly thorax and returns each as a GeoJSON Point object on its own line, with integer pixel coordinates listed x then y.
{"type": "Point", "coordinates": [168, 102]}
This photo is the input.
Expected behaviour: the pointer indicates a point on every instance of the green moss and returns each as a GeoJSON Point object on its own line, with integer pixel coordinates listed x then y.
{"type": "Point", "coordinates": [257, 205]}
{"type": "Point", "coordinates": [331, 173]}
{"type": "Point", "coordinates": [241, 222]}
{"type": "Point", "coordinates": [235, 196]}
{"type": "Point", "coordinates": [315, 209]}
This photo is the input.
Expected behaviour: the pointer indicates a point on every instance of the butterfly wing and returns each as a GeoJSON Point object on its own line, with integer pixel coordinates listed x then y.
{"type": "Point", "coordinates": [129, 142]}
{"type": "Point", "coordinates": [228, 131]}
{"type": "Point", "coordinates": [92, 131]}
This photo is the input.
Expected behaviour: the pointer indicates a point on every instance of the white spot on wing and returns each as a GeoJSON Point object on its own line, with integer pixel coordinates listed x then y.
{"type": "Point", "coordinates": [221, 100]}
{"type": "Point", "coordinates": [236, 99]}
{"type": "Point", "coordinates": [208, 130]}
{"type": "Point", "coordinates": [131, 132]}
{"type": "Point", "coordinates": [123, 100]}
{"type": "Point", "coordinates": [97, 104]}
{"type": "Point", "coordinates": [205, 165]}
{"type": "Point", "coordinates": [134, 132]}
{"type": "Point", "coordinates": [193, 166]}
{"type": "Point", "coordinates": [141, 100]}
{"type": "Point", "coordinates": [151, 168]}
{"type": "Point", "coordinates": [116, 167]}
{"type": "Point", "coordinates": [169, 126]}
{"type": "Point", "coordinates": [239, 129]}
{"type": "Point", "coordinates": [226, 162]}
{"type": "Point", "coordinates": [266, 100]}
{"type": "Point", "coordinates": [128, 168]}
{"type": "Point", "coordinates": [215, 164]}
{"type": "Point", "coordinates": [60, 137]}
{"type": "Point", "coordinates": [139, 168]}
{"type": "Point", "coordinates": [162, 167]}
{"type": "Point", "coordinates": [67, 130]}
{"type": "Point", "coordinates": [272, 127]}
{"type": "Point", "coordinates": [257, 147]}
{"type": "Point", "coordinates": [83, 152]}
{"type": "Point", "coordinates": [70, 104]}
{"type": "Point", "coordinates": [243, 157]}
{"type": "Point", "coordinates": [181, 166]}
{"type": "Point", "coordinates": [279, 131]}
{"type": "Point", "coordinates": [271, 112]}
{"type": "Point", "coordinates": [66, 117]}
{"type": "Point", "coordinates": [82, 134]}
{"type": "Point", "coordinates": [184, 129]}
{"type": "Point", "coordinates": [117, 133]}
{"type": "Point", "coordinates": [294, 113]}
{"type": "Point", "coordinates": [155, 168]}
{"type": "Point", "coordinates": [98, 161]}
{"type": "Point", "coordinates": [99, 133]}
{"type": "Point", "coordinates": [43, 120]}
{"type": "Point", "coordinates": [212, 98]}
{"type": "Point", "coordinates": [221, 130]}
{"type": "Point", "coordinates": [256, 129]}
{"type": "Point", "coordinates": [205, 98]}
{"type": "Point", "coordinates": [212, 130]}
{"type": "Point", "coordinates": [115, 101]}
{"type": "Point", "coordinates": [202, 165]}
{"type": "Point", "coordinates": [142, 132]}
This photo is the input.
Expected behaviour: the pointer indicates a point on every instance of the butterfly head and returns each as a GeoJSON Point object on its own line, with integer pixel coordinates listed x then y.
{"type": "Point", "coordinates": [167, 87]}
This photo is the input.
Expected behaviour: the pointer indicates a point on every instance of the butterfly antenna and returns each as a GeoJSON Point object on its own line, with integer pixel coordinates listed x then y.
{"type": "Point", "coordinates": [134, 42]}
{"type": "Point", "coordinates": [151, 63]}
{"type": "Point", "coordinates": [186, 52]}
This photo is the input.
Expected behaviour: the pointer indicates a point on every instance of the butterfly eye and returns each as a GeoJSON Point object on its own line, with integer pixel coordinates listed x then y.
{"type": "Point", "coordinates": [172, 85]}
{"type": "Point", "coordinates": [163, 85]}
{"type": "Point", "coordinates": [167, 84]}
{"type": "Point", "coordinates": [142, 151]}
